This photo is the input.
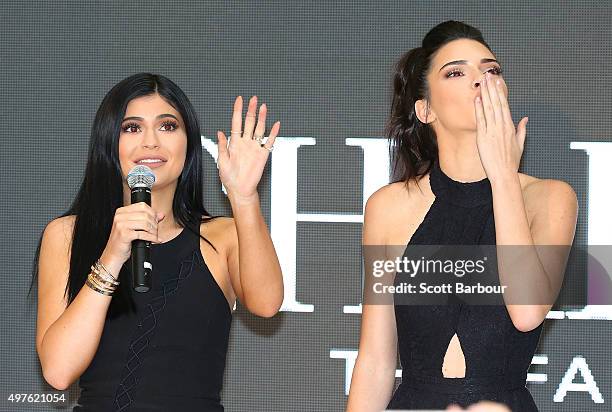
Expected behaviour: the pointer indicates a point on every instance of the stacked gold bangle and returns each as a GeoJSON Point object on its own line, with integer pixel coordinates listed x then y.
{"type": "Point", "coordinates": [101, 280]}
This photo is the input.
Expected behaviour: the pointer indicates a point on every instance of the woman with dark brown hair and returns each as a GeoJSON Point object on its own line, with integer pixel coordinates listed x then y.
{"type": "Point", "coordinates": [456, 153]}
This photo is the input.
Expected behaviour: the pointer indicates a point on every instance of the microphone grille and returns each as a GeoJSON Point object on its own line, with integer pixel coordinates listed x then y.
{"type": "Point", "coordinates": [140, 176]}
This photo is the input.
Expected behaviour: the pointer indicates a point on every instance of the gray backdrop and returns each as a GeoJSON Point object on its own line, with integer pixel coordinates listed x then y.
{"type": "Point", "coordinates": [324, 70]}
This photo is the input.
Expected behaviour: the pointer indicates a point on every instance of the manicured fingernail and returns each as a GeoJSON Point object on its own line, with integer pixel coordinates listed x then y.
{"type": "Point", "coordinates": [498, 81]}
{"type": "Point", "coordinates": [477, 99]}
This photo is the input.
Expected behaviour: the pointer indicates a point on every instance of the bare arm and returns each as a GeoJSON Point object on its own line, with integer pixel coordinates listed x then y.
{"type": "Point", "coordinates": [533, 274]}
{"type": "Point", "coordinates": [373, 377]}
{"type": "Point", "coordinates": [254, 268]}
{"type": "Point", "coordinates": [532, 259]}
{"type": "Point", "coordinates": [67, 338]}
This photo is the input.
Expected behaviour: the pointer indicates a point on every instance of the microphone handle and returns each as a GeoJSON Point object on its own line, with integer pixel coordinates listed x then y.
{"type": "Point", "coordinates": [142, 269]}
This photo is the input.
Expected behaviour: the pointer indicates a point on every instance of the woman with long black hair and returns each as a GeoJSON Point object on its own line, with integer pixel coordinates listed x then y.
{"type": "Point", "coordinates": [165, 349]}
{"type": "Point", "coordinates": [456, 153]}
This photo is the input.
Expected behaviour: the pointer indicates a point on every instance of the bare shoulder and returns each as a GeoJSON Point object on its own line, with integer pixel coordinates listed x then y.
{"type": "Point", "coordinates": [540, 189]}
{"type": "Point", "coordinates": [393, 211]}
{"type": "Point", "coordinates": [546, 194]}
{"type": "Point", "coordinates": [58, 233]}
{"type": "Point", "coordinates": [54, 266]}
{"type": "Point", "coordinates": [219, 224]}
{"type": "Point", "coordinates": [399, 194]}
{"type": "Point", "coordinates": [221, 230]}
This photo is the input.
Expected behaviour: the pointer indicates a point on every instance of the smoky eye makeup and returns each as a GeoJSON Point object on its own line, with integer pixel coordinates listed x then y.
{"type": "Point", "coordinates": [495, 70]}
{"type": "Point", "coordinates": [129, 127]}
{"type": "Point", "coordinates": [453, 73]}
{"type": "Point", "coordinates": [457, 72]}
{"type": "Point", "coordinates": [169, 125]}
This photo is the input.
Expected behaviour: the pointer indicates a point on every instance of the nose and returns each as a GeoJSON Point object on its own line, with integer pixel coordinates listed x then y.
{"type": "Point", "coordinates": [149, 139]}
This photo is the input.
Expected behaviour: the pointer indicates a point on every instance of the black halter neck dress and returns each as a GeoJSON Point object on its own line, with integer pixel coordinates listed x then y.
{"type": "Point", "coordinates": [497, 355]}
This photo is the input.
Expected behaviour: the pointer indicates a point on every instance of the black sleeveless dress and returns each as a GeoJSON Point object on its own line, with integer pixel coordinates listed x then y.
{"type": "Point", "coordinates": [169, 354]}
{"type": "Point", "coordinates": [497, 355]}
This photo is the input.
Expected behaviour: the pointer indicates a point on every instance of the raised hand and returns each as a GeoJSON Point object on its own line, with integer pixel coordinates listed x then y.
{"type": "Point", "coordinates": [242, 161]}
{"type": "Point", "coordinates": [500, 144]}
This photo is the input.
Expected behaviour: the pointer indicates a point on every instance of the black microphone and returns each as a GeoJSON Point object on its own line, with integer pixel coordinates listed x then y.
{"type": "Point", "coordinates": [140, 180]}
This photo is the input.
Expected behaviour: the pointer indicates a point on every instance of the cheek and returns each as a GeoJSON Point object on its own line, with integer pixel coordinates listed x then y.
{"type": "Point", "coordinates": [454, 102]}
{"type": "Point", "coordinates": [179, 150]}
{"type": "Point", "coordinates": [124, 154]}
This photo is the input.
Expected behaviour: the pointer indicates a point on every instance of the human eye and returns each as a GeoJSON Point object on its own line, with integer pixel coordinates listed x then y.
{"type": "Point", "coordinates": [495, 70]}
{"type": "Point", "coordinates": [130, 127]}
{"type": "Point", "coordinates": [169, 126]}
{"type": "Point", "coordinates": [454, 73]}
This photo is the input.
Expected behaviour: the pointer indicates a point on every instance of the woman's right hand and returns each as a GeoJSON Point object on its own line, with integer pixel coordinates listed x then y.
{"type": "Point", "coordinates": [136, 221]}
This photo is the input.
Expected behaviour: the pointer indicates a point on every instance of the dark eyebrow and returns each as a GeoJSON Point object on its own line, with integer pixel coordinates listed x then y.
{"type": "Point", "coordinates": [158, 117]}
{"type": "Point", "coordinates": [465, 62]}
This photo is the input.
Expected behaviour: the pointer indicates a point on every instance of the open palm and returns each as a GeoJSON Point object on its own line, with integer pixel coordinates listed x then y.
{"type": "Point", "coordinates": [242, 160]}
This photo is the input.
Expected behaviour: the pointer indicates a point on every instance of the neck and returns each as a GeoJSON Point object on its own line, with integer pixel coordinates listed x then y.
{"type": "Point", "coordinates": [458, 156]}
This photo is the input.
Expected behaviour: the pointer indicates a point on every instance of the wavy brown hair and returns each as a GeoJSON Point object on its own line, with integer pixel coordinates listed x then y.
{"type": "Point", "coordinates": [413, 144]}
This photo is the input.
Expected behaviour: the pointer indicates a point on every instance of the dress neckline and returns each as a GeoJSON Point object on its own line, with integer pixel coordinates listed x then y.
{"type": "Point", "coordinates": [170, 241]}
{"type": "Point", "coordinates": [467, 194]}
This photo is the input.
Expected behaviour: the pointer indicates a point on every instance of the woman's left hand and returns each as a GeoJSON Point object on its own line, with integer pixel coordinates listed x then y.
{"type": "Point", "coordinates": [500, 144]}
{"type": "Point", "coordinates": [242, 161]}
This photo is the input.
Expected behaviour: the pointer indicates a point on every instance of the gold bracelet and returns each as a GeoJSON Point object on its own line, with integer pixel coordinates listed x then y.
{"type": "Point", "coordinates": [99, 281]}
{"type": "Point", "coordinates": [99, 265]}
{"type": "Point", "coordinates": [92, 286]}
{"type": "Point", "coordinates": [100, 285]}
{"type": "Point", "coordinates": [103, 277]}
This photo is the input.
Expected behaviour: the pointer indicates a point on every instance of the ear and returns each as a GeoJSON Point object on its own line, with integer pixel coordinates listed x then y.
{"type": "Point", "coordinates": [423, 111]}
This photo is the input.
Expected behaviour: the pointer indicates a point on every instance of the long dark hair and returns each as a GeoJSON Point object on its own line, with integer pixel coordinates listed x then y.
{"type": "Point", "coordinates": [414, 146]}
{"type": "Point", "coordinates": [101, 191]}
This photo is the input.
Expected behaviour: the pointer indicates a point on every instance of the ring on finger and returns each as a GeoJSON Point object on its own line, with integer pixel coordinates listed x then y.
{"type": "Point", "coordinates": [234, 132]}
{"type": "Point", "coordinates": [259, 139]}
{"type": "Point", "coordinates": [269, 149]}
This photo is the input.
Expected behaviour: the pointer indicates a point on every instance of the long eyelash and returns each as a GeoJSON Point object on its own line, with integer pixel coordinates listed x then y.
{"type": "Point", "coordinates": [455, 71]}
{"type": "Point", "coordinates": [128, 125]}
{"type": "Point", "coordinates": [170, 123]}
{"type": "Point", "coordinates": [494, 70]}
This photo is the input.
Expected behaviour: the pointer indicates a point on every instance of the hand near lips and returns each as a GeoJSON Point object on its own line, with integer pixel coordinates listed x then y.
{"type": "Point", "coordinates": [242, 161]}
{"type": "Point", "coordinates": [500, 145]}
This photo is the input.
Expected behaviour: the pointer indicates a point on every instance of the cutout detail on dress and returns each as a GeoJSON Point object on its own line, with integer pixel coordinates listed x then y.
{"type": "Point", "coordinates": [453, 365]}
